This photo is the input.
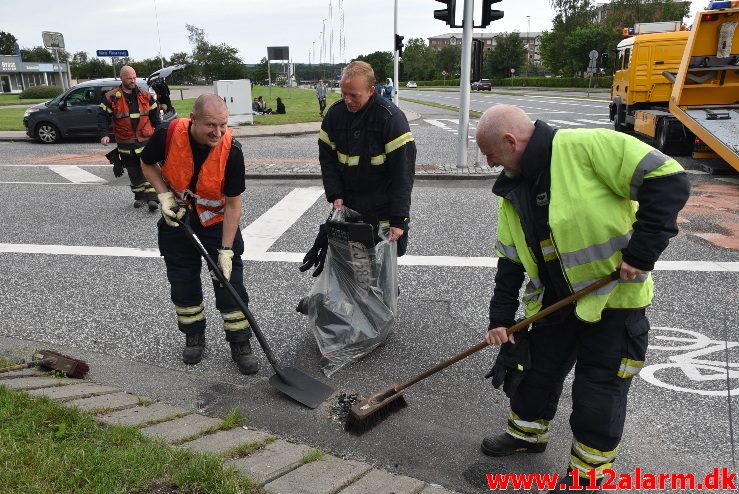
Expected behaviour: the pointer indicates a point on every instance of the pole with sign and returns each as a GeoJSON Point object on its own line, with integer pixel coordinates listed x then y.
{"type": "Point", "coordinates": [592, 67]}
{"type": "Point", "coordinates": [55, 41]}
{"type": "Point", "coordinates": [113, 54]}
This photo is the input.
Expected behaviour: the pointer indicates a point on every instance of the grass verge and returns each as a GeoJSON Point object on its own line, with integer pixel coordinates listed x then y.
{"type": "Point", "coordinates": [11, 118]}
{"type": "Point", "coordinates": [301, 105]}
{"type": "Point", "coordinates": [473, 114]}
{"type": "Point", "coordinates": [49, 448]}
{"type": "Point", "coordinates": [13, 99]}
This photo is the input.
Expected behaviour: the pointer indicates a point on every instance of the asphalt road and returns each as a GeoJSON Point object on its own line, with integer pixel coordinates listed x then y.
{"type": "Point", "coordinates": [111, 307]}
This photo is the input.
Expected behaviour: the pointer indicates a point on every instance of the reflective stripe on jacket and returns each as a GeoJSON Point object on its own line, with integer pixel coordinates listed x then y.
{"type": "Point", "coordinates": [179, 167]}
{"type": "Point", "coordinates": [595, 177]}
{"type": "Point", "coordinates": [115, 103]}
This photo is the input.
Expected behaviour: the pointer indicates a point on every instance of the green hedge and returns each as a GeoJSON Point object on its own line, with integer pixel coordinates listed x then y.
{"type": "Point", "coordinates": [597, 82]}
{"type": "Point", "coordinates": [34, 92]}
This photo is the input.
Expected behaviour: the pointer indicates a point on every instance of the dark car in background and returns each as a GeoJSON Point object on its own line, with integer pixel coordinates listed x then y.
{"type": "Point", "coordinates": [74, 112]}
{"type": "Point", "coordinates": [482, 85]}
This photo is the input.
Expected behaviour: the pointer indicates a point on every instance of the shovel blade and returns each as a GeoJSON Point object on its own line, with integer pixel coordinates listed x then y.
{"type": "Point", "coordinates": [301, 387]}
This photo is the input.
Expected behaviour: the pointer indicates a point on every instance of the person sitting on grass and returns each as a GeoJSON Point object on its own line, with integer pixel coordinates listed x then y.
{"type": "Point", "coordinates": [280, 107]}
{"type": "Point", "coordinates": [255, 107]}
{"type": "Point", "coordinates": [263, 106]}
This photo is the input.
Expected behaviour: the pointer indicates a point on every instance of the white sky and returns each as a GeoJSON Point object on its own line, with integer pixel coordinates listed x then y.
{"type": "Point", "coordinates": [248, 25]}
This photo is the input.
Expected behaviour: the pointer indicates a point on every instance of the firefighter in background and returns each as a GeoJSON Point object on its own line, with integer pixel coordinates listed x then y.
{"type": "Point", "coordinates": [567, 217]}
{"type": "Point", "coordinates": [135, 115]}
{"type": "Point", "coordinates": [202, 166]}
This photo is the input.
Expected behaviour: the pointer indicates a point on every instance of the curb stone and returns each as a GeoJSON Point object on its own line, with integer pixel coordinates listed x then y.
{"type": "Point", "coordinates": [277, 465]}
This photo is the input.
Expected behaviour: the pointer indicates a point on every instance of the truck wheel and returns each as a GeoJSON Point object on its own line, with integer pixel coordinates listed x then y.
{"type": "Point", "coordinates": [662, 133]}
{"type": "Point", "coordinates": [619, 117]}
{"type": "Point", "coordinates": [47, 133]}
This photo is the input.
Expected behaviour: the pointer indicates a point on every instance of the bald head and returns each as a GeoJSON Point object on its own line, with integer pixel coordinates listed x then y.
{"type": "Point", "coordinates": [128, 78]}
{"type": "Point", "coordinates": [209, 102]}
{"type": "Point", "coordinates": [503, 133]}
{"type": "Point", "coordinates": [209, 120]}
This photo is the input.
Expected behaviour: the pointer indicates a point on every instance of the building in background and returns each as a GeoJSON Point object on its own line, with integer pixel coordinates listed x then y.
{"type": "Point", "coordinates": [531, 42]}
{"type": "Point", "coordinates": [17, 75]}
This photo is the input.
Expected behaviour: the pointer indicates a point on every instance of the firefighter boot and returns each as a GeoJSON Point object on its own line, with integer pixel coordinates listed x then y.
{"type": "Point", "coordinates": [505, 445]}
{"type": "Point", "coordinates": [242, 355]}
{"type": "Point", "coordinates": [194, 346]}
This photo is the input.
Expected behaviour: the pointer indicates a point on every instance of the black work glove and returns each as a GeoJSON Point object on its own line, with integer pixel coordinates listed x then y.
{"type": "Point", "coordinates": [316, 256]}
{"type": "Point", "coordinates": [510, 367]}
{"type": "Point", "coordinates": [115, 159]}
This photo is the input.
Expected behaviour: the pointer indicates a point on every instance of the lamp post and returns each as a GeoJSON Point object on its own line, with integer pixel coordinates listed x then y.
{"type": "Point", "coordinates": [528, 44]}
{"type": "Point", "coordinates": [156, 16]}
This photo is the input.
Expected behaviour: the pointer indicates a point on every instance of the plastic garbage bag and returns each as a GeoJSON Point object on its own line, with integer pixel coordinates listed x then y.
{"type": "Point", "coordinates": [353, 302]}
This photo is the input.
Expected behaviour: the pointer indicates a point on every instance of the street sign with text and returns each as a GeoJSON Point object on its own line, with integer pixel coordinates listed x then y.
{"type": "Point", "coordinates": [112, 53]}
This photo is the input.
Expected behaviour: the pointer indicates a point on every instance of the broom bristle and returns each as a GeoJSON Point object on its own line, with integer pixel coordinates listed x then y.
{"type": "Point", "coordinates": [373, 410]}
{"type": "Point", "coordinates": [72, 367]}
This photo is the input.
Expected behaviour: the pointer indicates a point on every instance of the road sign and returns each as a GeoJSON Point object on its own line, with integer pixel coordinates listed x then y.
{"type": "Point", "coordinates": [112, 53]}
{"type": "Point", "coordinates": [593, 55]}
{"type": "Point", "coordinates": [52, 40]}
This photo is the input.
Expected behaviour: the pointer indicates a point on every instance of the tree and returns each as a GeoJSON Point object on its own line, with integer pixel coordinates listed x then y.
{"type": "Point", "coordinates": [188, 75]}
{"type": "Point", "coordinates": [37, 54]}
{"type": "Point", "coordinates": [419, 60]}
{"type": "Point", "coordinates": [215, 61]}
{"type": "Point", "coordinates": [508, 53]}
{"type": "Point", "coordinates": [8, 44]}
{"type": "Point", "coordinates": [570, 15]}
{"type": "Point", "coordinates": [93, 68]}
{"type": "Point", "coordinates": [449, 59]}
{"type": "Point", "coordinates": [260, 75]}
{"type": "Point", "coordinates": [626, 13]}
{"type": "Point", "coordinates": [585, 39]}
{"type": "Point", "coordinates": [381, 62]}
{"type": "Point", "coordinates": [145, 67]}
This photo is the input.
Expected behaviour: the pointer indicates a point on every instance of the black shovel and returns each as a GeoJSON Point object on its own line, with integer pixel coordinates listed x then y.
{"type": "Point", "coordinates": [291, 381]}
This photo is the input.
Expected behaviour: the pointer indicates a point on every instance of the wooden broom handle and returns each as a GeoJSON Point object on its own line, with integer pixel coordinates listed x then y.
{"type": "Point", "coordinates": [513, 329]}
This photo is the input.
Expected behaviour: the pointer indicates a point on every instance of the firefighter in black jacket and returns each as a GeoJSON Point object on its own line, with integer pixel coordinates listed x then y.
{"type": "Point", "coordinates": [368, 155]}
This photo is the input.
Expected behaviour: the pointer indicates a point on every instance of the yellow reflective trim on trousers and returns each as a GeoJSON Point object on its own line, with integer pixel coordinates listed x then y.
{"type": "Point", "coordinates": [135, 115]}
{"type": "Point", "coordinates": [347, 160]}
{"type": "Point", "coordinates": [629, 368]}
{"type": "Point", "coordinates": [536, 431]}
{"type": "Point", "coordinates": [228, 316]}
{"type": "Point", "coordinates": [584, 468]}
{"type": "Point", "coordinates": [236, 326]}
{"type": "Point", "coordinates": [128, 151]}
{"type": "Point", "coordinates": [400, 141]}
{"type": "Point", "coordinates": [189, 310]}
{"type": "Point", "coordinates": [323, 136]}
{"type": "Point", "coordinates": [377, 160]}
{"type": "Point", "coordinates": [592, 455]}
{"type": "Point", "coordinates": [191, 319]}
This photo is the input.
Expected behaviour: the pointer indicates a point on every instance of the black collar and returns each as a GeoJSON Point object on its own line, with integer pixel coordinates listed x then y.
{"type": "Point", "coordinates": [536, 158]}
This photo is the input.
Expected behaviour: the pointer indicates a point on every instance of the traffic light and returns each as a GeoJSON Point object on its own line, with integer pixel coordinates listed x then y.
{"type": "Point", "coordinates": [604, 58]}
{"type": "Point", "coordinates": [488, 14]}
{"type": "Point", "coordinates": [399, 44]}
{"type": "Point", "coordinates": [447, 14]}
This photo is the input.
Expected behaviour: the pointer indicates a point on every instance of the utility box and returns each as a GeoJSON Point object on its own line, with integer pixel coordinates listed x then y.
{"type": "Point", "coordinates": [237, 96]}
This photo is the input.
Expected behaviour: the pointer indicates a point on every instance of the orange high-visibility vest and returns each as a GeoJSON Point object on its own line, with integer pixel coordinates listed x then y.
{"type": "Point", "coordinates": [179, 167]}
{"type": "Point", "coordinates": [122, 125]}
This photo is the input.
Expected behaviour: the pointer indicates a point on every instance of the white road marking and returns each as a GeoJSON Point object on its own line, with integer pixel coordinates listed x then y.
{"type": "Point", "coordinates": [436, 123]}
{"type": "Point", "coordinates": [77, 175]}
{"type": "Point", "coordinates": [597, 122]}
{"type": "Point", "coordinates": [565, 122]}
{"type": "Point", "coordinates": [266, 229]}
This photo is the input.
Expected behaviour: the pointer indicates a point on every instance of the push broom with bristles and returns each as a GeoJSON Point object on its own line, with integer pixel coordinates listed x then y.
{"type": "Point", "coordinates": [370, 411]}
{"type": "Point", "coordinates": [47, 359]}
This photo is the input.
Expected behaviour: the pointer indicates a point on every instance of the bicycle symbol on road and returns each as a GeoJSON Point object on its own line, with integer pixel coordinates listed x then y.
{"type": "Point", "coordinates": [692, 371]}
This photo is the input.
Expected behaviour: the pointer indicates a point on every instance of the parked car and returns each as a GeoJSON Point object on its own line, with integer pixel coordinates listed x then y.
{"type": "Point", "coordinates": [74, 112]}
{"type": "Point", "coordinates": [482, 85]}
{"type": "Point", "coordinates": [411, 84]}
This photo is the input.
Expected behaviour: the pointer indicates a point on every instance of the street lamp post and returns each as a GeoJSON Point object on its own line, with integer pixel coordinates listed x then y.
{"type": "Point", "coordinates": [156, 16]}
{"type": "Point", "coordinates": [528, 44]}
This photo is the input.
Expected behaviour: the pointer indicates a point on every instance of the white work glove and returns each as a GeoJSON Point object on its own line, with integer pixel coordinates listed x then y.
{"type": "Point", "coordinates": [169, 204]}
{"type": "Point", "coordinates": [225, 262]}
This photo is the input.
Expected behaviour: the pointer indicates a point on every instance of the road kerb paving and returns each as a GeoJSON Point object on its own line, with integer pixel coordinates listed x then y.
{"type": "Point", "coordinates": [379, 481]}
{"type": "Point", "coordinates": [105, 403]}
{"type": "Point", "coordinates": [272, 461]}
{"type": "Point", "coordinates": [142, 415]}
{"type": "Point", "coordinates": [277, 464]}
{"type": "Point", "coordinates": [73, 391]}
{"type": "Point", "coordinates": [181, 428]}
{"type": "Point", "coordinates": [223, 441]}
{"type": "Point", "coordinates": [325, 476]}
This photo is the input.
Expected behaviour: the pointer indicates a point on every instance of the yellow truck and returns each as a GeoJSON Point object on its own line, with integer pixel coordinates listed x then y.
{"type": "Point", "coordinates": [642, 83]}
{"type": "Point", "coordinates": [705, 94]}
{"type": "Point", "coordinates": [681, 88]}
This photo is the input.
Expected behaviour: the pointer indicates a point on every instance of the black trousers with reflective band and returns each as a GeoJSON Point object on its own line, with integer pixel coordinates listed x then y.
{"type": "Point", "coordinates": [597, 351]}
{"type": "Point", "coordinates": [184, 266]}
{"type": "Point", "coordinates": [139, 185]}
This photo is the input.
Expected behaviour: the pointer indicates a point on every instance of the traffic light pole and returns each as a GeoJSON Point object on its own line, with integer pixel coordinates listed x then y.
{"type": "Point", "coordinates": [395, 58]}
{"type": "Point", "coordinates": [464, 84]}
